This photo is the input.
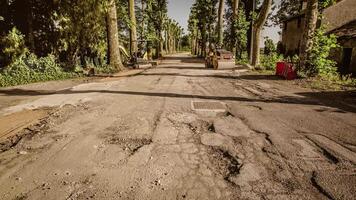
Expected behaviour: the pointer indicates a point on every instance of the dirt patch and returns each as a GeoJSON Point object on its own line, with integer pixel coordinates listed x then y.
{"type": "Point", "coordinates": [11, 124]}
{"type": "Point", "coordinates": [31, 123]}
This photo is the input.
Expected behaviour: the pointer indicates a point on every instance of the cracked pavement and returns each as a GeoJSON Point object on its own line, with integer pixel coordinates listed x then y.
{"type": "Point", "coordinates": [180, 131]}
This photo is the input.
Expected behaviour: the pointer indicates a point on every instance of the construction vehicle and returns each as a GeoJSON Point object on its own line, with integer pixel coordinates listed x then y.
{"type": "Point", "coordinates": [138, 59]}
{"type": "Point", "coordinates": [219, 59]}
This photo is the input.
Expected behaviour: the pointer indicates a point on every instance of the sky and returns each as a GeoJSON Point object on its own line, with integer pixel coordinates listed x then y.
{"type": "Point", "coordinates": [180, 9]}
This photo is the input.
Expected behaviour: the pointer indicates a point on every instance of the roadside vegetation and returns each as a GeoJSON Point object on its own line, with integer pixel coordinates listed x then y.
{"type": "Point", "coordinates": [51, 40]}
{"type": "Point", "coordinates": [243, 32]}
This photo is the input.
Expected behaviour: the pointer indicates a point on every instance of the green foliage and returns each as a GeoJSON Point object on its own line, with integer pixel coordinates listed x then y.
{"type": "Point", "coordinates": [268, 62]}
{"type": "Point", "coordinates": [243, 59]}
{"type": "Point", "coordinates": [287, 8]}
{"type": "Point", "coordinates": [28, 68]}
{"type": "Point", "coordinates": [242, 25]}
{"type": "Point", "coordinates": [319, 62]}
{"type": "Point", "coordinates": [239, 41]}
{"type": "Point", "coordinates": [270, 47]}
{"type": "Point", "coordinates": [106, 69]}
{"type": "Point", "coordinates": [13, 46]}
{"type": "Point", "coordinates": [202, 21]}
{"type": "Point", "coordinates": [326, 3]}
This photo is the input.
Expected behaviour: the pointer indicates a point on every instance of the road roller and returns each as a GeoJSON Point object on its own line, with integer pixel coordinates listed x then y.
{"type": "Point", "coordinates": [220, 59]}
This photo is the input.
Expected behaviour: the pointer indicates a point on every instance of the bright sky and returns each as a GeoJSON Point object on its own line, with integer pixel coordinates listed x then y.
{"type": "Point", "coordinates": [180, 9]}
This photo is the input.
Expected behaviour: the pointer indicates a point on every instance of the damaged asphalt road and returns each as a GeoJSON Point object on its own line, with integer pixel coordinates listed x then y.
{"type": "Point", "coordinates": [180, 131]}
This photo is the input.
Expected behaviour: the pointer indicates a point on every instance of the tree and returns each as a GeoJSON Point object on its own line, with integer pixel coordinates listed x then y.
{"type": "Point", "coordinates": [270, 47]}
{"type": "Point", "coordinates": [258, 25]}
{"type": "Point", "coordinates": [157, 12]}
{"type": "Point", "coordinates": [203, 18]}
{"type": "Point", "coordinates": [220, 22]}
{"type": "Point", "coordinates": [235, 10]}
{"type": "Point", "coordinates": [311, 17]}
{"type": "Point", "coordinates": [113, 36]}
{"type": "Point", "coordinates": [133, 32]}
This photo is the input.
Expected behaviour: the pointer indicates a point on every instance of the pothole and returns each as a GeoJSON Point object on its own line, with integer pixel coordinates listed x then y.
{"type": "Point", "coordinates": [225, 163]}
{"type": "Point", "coordinates": [130, 144]}
{"type": "Point", "coordinates": [211, 128]}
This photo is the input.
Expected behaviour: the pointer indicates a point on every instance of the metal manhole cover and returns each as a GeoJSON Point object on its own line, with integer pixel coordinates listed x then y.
{"type": "Point", "coordinates": [208, 106]}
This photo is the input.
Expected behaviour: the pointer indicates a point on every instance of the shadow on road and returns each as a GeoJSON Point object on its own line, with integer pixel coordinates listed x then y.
{"type": "Point", "coordinates": [309, 98]}
{"type": "Point", "coordinates": [189, 75]}
{"type": "Point", "coordinates": [184, 59]}
{"type": "Point", "coordinates": [189, 68]}
{"type": "Point", "coordinates": [260, 77]}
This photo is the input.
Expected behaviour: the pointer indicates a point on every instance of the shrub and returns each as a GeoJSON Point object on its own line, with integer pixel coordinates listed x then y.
{"type": "Point", "coordinates": [106, 69]}
{"type": "Point", "coordinates": [13, 46]}
{"type": "Point", "coordinates": [22, 67]}
{"type": "Point", "coordinates": [28, 68]}
{"type": "Point", "coordinates": [270, 47]}
{"type": "Point", "coordinates": [269, 62]}
{"type": "Point", "coordinates": [319, 61]}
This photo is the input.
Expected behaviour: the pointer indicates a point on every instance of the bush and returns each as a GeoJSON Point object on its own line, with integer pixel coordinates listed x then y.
{"type": "Point", "coordinates": [319, 61]}
{"type": "Point", "coordinates": [268, 62]}
{"type": "Point", "coordinates": [29, 69]}
{"type": "Point", "coordinates": [270, 47]}
{"type": "Point", "coordinates": [21, 67]}
{"type": "Point", "coordinates": [106, 69]}
{"type": "Point", "coordinates": [13, 46]}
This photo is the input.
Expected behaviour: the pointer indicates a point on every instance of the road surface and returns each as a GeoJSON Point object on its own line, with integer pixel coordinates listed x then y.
{"type": "Point", "coordinates": [177, 131]}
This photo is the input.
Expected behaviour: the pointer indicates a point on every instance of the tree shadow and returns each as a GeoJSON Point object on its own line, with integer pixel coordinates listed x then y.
{"type": "Point", "coordinates": [309, 98]}
{"type": "Point", "coordinates": [261, 77]}
{"type": "Point", "coordinates": [184, 59]}
{"type": "Point", "coordinates": [190, 75]}
{"type": "Point", "coordinates": [180, 67]}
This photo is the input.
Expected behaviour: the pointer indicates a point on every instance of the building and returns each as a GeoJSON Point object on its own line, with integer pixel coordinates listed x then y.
{"type": "Point", "coordinates": [340, 19]}
{"type": "Point", "coordinates": [292, 32]}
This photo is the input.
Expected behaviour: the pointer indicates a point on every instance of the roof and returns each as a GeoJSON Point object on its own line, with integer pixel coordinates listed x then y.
{"type": "Point", "coordinates": [346, 31]}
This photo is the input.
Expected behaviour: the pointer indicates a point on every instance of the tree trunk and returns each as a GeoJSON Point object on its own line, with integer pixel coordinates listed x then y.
{"type": "Point", "coordinates": [258, 25]}
{"type": "Point", "coordinates": [113, 36]}
{"type": "Point", "coordinates": [133, 31]}
{"type": "Point", "coordinates": [220, 22]}
{"type": "Point", "coordinates": [166, 45]}
{"type": "Point", "coordinates": [143, 20]}
{"type": "Point", "coordinates": [169, 40]}
{"type": "Point", "coordinates": [159, 47]}
{"type": "Point", "coordinates": [192, 43]}
{"type": "Point", "coordinates": [250, 6]}
{"type": "Point", "coordinates": [235, 12]}
{"type": "Point", "coordinates": [311, 18]}
{"type": "Point", "coordinates": [30, 40]}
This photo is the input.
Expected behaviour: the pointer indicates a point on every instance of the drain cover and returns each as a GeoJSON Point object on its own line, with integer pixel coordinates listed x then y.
{"type": "Point", "coordinates": [208, 106]}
